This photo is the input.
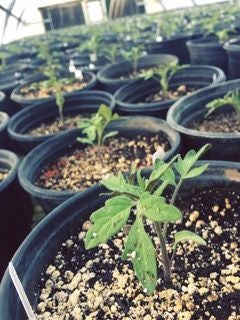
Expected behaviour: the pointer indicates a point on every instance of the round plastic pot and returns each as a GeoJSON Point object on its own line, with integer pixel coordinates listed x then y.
{"type": "Point", "coordinates": [2, 99]}
{"type": "Point", "coordinates": [4, 140]}
{"type": "Point", "coordinates": [25, 102]}
{"type": "Point", "coordinates": [43, 112]}
{"type": "Point", "coordinates": [207, 51]}
{"type": "Point", "coordinates": [233, 51]}
{"type": "Point", "coordinates": [9, 80]}
{"type": "Point", "coordinates": [225, 146]}
{"type": "Point", "coordinates": [15, 210]}
{"type": "Point", "coordinates": [176, 46]}
{"type": "Point", "coordinates": [110, 76]}
{"type": "Point", "coordinates": [39, 157]}
{"type": "Point", "coordinates": [129, 98]}
{"type": "Point", "coordinates": [42, 244]}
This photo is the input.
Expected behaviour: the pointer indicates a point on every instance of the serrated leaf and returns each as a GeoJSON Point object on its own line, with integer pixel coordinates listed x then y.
{"type": "Point", "coordinates": [161, 188]}
{"type": "Point", "coordinates": [158, 171]}
{"type": "Point", "coordinates": [186, 235]}
{"type": "Point", "coordinates": [139, 248]}
{"type": "Point", "coordinates": [183, 166]}
{"type": "Point", "coordinates": [196, 171]}
{"type": "Point", "coordinates": [108, 221]}
{"type": "Point", "coordinates": [105, 112]}
{"type": "Point", "coordinates": [155, 209]}
{"type": "Point", "coordinates": [85, 141]}
{"type": "Point", "coordinates": [109, 135]}
{"type": "Point", "coordinates": [140, 180]}
{"type": "Point", "coordinates": [119, 184]}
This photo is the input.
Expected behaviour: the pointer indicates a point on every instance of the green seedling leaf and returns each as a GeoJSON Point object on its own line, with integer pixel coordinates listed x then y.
{"type": "Point", "coordinates": [141, 181]}
{"type": "Point", "coordinates": [140, 250]}
{"type": "Point", "coordinates": [84, 140]}
{"type": "Point", "coordinates": [159, 170]}
{"type": "Point", "coordinates": [94, 127]}
{"type": "Point", "coordinates": [183, 166]}
{"type": "Point", "coordinates": [231, 98]}
{"type": "Point", "coordinates": [155, 209]}
{"type": "Point", "coordinates": [108, 221]}
{"type": "Point", "coordinates": [186, 235]}
{"type": "Point", "coordinates": [109, 135]}
{"type": "Point", "coordinates": [196, 171]}
{"type": "Point", "coordinates": [105, 111]}
{"type": "Point", "coordinates": [119, 184]}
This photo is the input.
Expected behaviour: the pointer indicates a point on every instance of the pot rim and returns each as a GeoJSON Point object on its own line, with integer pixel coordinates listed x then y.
{"type": "Point", "coordinates": [193, 132]}
{"type": "Point", "coordinates": [19, 99]}
{"type": "Point", "coordinates": [9, 158]}
{"type": "Point", "coordinates": [26, 112]}
{"type": "Point", "coordinates": [36, 191]}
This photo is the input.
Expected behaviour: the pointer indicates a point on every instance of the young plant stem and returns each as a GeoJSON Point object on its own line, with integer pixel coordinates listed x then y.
{"type": "Point", "coordinates": [165, 258]}
{"type": "Point", "coordinates": [174, 195]}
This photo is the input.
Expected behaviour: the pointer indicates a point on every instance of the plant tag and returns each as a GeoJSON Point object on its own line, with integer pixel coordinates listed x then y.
{"type": "Point", "coordinates": [159, 38]}
{"type": "Point", "coordinates": [93, 57]}
{"type": "Point", "coordinates": [72, 67]}
{"type": "Point", "coordinates": [20, 290]}
{"type": "Point", "coordinates": [78, 74]}
{"type": "Point", "coordinates": [91, 66]}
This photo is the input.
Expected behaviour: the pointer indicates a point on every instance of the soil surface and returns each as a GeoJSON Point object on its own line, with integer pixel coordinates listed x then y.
{"type": "Point", "coordinates": [226, 123]}
{"type": "Point", "coordinates": [136, 73]}
{"type": "Point", "coordinates": [181, 91]}
{"type": "Point", "coordinates": [3, 174]}
{"type": "Point", "coordinates": [56, 126]}
{"type": "Point", "coordinates": [97, 284]}
{"type": "Point", "coordinates": [41, 89]}
{"type": "Point", "coordinates": [80, 169]}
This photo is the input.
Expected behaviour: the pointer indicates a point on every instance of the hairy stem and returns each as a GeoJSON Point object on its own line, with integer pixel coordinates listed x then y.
{"type": "Point", "coordinates": [174, 195]}
{"type": "Point", "coordinates": [165, 258]}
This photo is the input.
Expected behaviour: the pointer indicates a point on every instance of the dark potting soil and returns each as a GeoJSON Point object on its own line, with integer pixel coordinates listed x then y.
{"type": "Point", "coordinates": [80, 168]}
{"type": "Point", "coordinates": [3, 174]}
{"type": "Point", "coordinates": [55, 126]}
{"type": "Point", "coordinates": [97, 284]}
{"type": "Point", "coordinates": [173, 94]}
{"type": "Point", "coordinates": [222, 122]}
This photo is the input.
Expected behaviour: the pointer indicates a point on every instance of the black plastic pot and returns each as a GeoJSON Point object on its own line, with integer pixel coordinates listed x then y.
{"type": "Point", "coordinates": [40, 247]}
{"type": "Point", "coordinates": [233, 51]}
{"type": "Point", "coordinates": [33, 116]}
{"type": "Point", "coordinates": [4, 140]}
{"type": "Point", "coordinates": [24, 102]}
{"type": "Point", "coordinates": [2, 99]}
{"type": "Point", "coordinates": [225, 146]}
{"type": "Point", "coordinates": [175, 46]}
{"type": "Point", "coordinates": [15, 210]}
{"type": "Point", "coordinates": [110, 76]}
{"type": "Point", "coordinates": [130, 98]}
{"type": "Point", "coordinates": [34, 162]}
{"type": "Point", "coordinates": [9, 80]}
{"type": "Point", "coordinates": [208, 51]}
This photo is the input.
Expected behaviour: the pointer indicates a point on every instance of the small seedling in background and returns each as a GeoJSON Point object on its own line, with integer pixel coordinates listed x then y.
{"type": "Point", "coordinates": [146, 197]}
{"type": "Point", "coordinates": [51, 71]}
{"type": "Point", "coordinates": [213, 26]}
{"type": "Point", "coordinates": [232, 98]}
{"type": "Point", "coordinates": [133, 56]}
{"type": "Point", "coordinates": [111, 52]}
{"type": "Point", "coordinates": [164, 74]}
{"type": "Point", "coordinates": [92, 46]}
{"type": "Point", "coordinates": [94, 128]}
